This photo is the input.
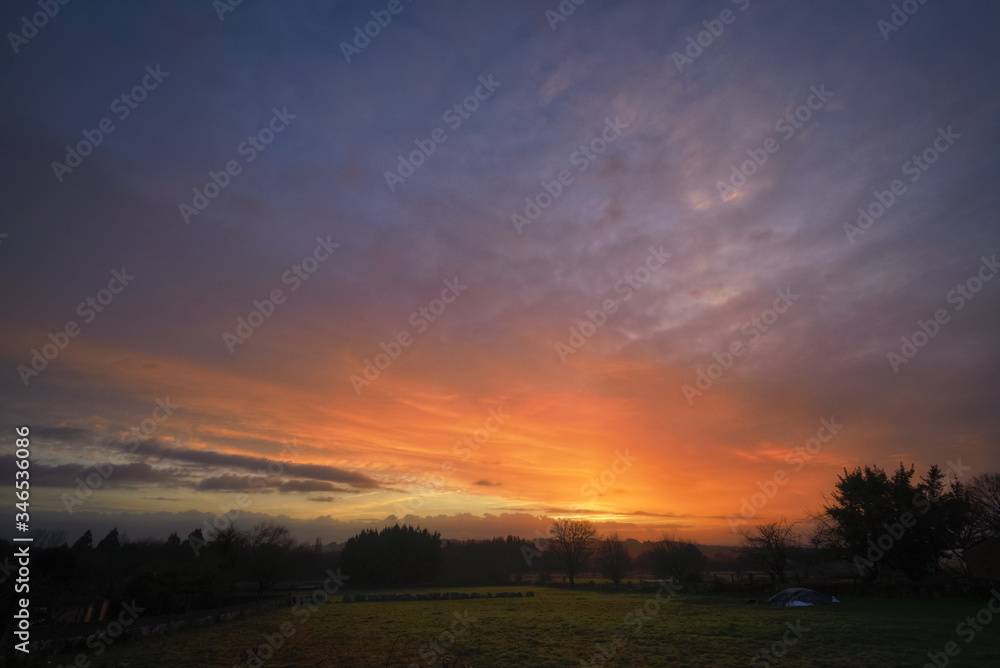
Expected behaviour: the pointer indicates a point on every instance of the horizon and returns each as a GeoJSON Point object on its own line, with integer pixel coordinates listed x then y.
{"type": "Point", "coordinates": [487, 266]}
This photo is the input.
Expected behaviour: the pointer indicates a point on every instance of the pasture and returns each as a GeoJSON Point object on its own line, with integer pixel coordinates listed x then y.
{"type": "Point", "coordinates": [563, 627]}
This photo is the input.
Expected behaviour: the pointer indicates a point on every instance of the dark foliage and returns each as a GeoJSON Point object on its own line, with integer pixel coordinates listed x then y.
{"type": "Point", "coordinates": [889, 523]}
{"type": "Point", "coordinates": [396, 555]}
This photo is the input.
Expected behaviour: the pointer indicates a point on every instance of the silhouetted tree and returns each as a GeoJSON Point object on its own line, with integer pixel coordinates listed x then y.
{"type": "Point", "coordinates": [45, 538]}
{"type": "Point", "coordinates": [770, 545]}
{"type": "Point", "coordinates": [880, 522]}
{"type": "Point", "coordinates": [571, 541]}
{"type": "Point", "coordinates": [110, 542]}
{"type": "Point", "coordinates": [984, 498]}
{"type": "Point", "coordinates": [677, 559]}
{"type": "Point", "coordinates": [394, 555]}
{"type": "Point", "coordinates": [84, 542]}
{"type": "Point", "coordinates": [227, 544]}
{"type": "Point", "coordinates": [268, 545]}
{"type": "Point", "coordinates": [613, 558]}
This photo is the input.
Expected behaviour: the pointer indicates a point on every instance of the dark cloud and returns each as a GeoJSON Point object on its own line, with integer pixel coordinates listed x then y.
{"type": "Point", "coordinates": [308, 486]}
{"type": "Point", "coordinates": [260, 465]}
{"type": "Point", "coordinates": [109, 475]}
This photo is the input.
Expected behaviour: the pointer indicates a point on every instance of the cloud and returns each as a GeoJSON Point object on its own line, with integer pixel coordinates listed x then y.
{"type": "Point", "coordinates": [70, 475]}
{"type": "Point", "coordinates": [653, 185]}
{"type": "Point", "coordinates": [309, 486]}
{"type": "Point", "coordinates": [261, 465]}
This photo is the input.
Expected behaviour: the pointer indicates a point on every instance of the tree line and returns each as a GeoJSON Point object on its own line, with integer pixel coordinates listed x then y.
{"type": "Point", "coordinates": [169, 576]}
{"type": "Point", "coordinates": [882, 525]}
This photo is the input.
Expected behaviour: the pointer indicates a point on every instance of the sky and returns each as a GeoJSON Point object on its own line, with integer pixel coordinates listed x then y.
{"type": "Point", "coordinates": [669, 267]}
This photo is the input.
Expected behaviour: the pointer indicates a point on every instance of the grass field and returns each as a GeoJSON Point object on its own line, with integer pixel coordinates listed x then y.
{"type": "Point", "coordinates": [560, 627]}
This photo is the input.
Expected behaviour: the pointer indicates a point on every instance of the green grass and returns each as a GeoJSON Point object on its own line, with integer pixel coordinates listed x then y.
{"type": "Point", "coordinates": [559, 627]}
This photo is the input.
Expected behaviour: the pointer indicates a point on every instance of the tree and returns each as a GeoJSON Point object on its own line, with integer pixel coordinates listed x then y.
{"type": "Point", "coordinates": [881, 522]}
{"type": "Point", "coordinates": [45, 539]}
{"type": "Point", "coordinates": [269, 534]}
{"type": "Point", "coordinates": [571, 541]}
{"type": "Point", "coordinates": [984, 498]}
{"type": "Point", "coordinates": [769, 544]}
{"type": "Point", "coordinates": [678, 559]}
{"type": "Point", "coordinates": [228, 544]}
{"type": "Point", "coordinates": [109, 542]}
{"type": "Point", "coordinates": [84, 542]}
{"type": "Point", "coordinates": [393, 556]}
{"type": "Point", "coordinates": [613, 558]}
{"type": "Point", "coordinates": [268, 545]}
{"type": "Point", "coordinates": [940, 516]}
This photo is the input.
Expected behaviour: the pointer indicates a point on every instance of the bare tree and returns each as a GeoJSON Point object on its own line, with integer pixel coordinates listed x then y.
{"type": "Point", "coordinates": [571, 540]}
{"type": "Point", "coordinates": [227, 544]}
{"type": "Point", "coordinates": [269, 544]}
{"type": "Point", "coordinates": [46, 538]}
{"type": "Point", "coordinates": [984, 497]}
{"type": "Point", "coordinates": [613, 558]}
{"type": "Point", "coordinates": [269, 534]}
{"type": "Point", "coordinates": [769, 544]}
{"type": "Point", "coordinates": [678, 559]}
